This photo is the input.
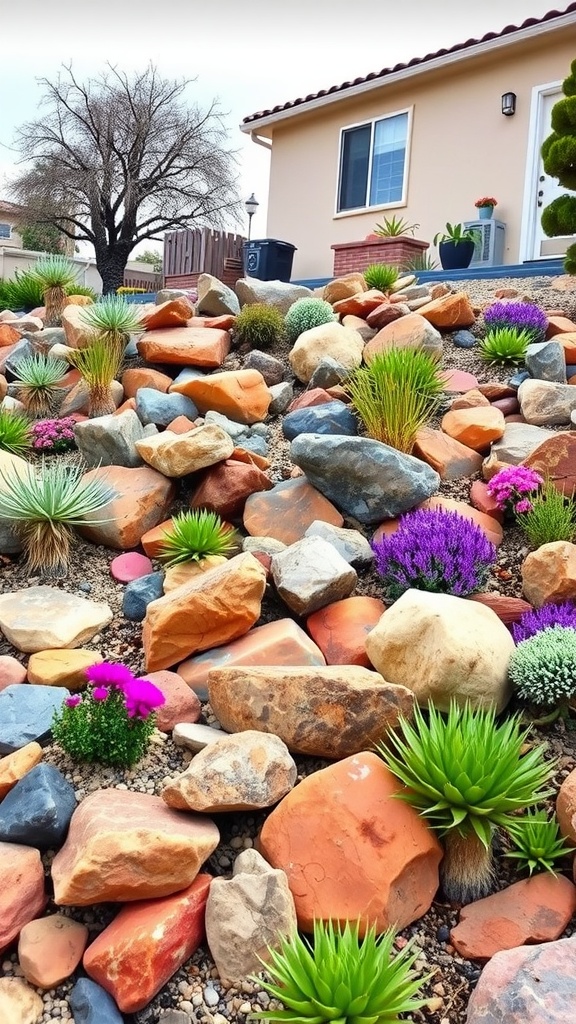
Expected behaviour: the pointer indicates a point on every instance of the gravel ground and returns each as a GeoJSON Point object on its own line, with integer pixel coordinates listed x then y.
{"type": "Point", "coordinates": [195, 988]}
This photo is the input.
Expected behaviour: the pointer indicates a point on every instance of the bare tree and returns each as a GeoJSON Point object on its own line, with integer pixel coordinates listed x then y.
{"type": "Point", "coordinates": [119, 159]}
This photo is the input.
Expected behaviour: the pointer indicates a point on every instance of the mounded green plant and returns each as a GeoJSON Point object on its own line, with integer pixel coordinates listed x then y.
{"type": "Point", "coordinates": [392, 227]}
{"type": "Point", "coordinates": [112, 319]}
{"type": "Point", "coordinates": [98, 364]}
{"type": "Point", "coordinates": [543, 667]}
{"type": "Point", "coordinates": [82, 289]}
{"type": "Point", "coordinates": [505, 346]}
{"type": "Point", "coordinates": [22, 292]}
{"type": "Point", "coordinates": [37, 378]}
{"type": "Point", "coordinates": [552, 517]}
{"type": "Point", "coordinates": [465, 774]}
{"type": "Point", "coordinates": [55, 274]}
{"type": "Point", "coordinates": [396, 395]}
{"type": "Point", "coordinates": [381, 276]}
{"type": "Point", "coordinates": [559, 158]}
{"type": "Point", "coordinates": [195, 534]}
{"type": "Point", "coordinates": [259, 325]}
{"type": "Point", "coordinates": [15, 435]}
{"type": "Point", "coordinates": [537, 842]}
{"type": "Point", "coordinates": [341, 977]}
{"type": "Point", "coordinates": [43, 504]}
{"type": "Point", "coordinates": [304, 314]}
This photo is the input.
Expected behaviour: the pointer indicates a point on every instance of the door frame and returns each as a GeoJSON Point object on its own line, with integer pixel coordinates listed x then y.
{"type": "Point", "coordinates": [529, 208]}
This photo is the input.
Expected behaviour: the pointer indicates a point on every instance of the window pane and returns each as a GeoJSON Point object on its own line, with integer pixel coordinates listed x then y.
{"type": "Point", "coordinates": [354, 168]}
{"type": "Point", "coordinates": [388, 160]}
{"type": "Point", "coordinates": [4, 230]}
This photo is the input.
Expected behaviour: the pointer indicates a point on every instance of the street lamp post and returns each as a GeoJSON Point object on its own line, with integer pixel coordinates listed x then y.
{"type": "Point", "coordinates": [251, 205]}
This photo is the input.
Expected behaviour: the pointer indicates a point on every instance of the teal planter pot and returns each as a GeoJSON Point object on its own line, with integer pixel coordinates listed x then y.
{"type": "Point", "coordinates": [485, 212]}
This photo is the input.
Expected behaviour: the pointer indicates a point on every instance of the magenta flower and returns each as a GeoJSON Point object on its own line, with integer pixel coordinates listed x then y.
{"type": "Point", "coordinates": [142, 697]}
{"type": "Point", "coordinates": [523, 506]}
{"type": "Point", "coordinates": [73, 700]}
{"type": "Point", "coordinates": [106, 673]}
{"type": "Point", "coordinates": [511, 485]}
{"type": "Point", "coordinates": [100, 692]}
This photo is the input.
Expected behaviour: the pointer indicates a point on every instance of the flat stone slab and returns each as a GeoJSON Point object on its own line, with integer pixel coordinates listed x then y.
{"type": "Point", "coordinates": [41, 618]}
{"type": "Point", "coordinates": [26, 713]}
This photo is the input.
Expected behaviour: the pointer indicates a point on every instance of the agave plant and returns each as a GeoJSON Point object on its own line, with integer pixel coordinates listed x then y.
{"type": "Point", "coordinates": [99, 364]}
{"type": "Point", "coordinates": [55, 274]}
{"type": "Point", "coordinates": [37, 378]}
{"type": "Point", "coordinates": [382, 276]}
{"type": "Point", "coordinates": [465, 775]}
{"type": "Point", "coordinates": [538, 843]}
{"type": "Point", "coordinates": [194, 535]}
{"type": "Point", "coordinates": [112, 319]}
{"type": "Point", "coordinates": [505, 346]}
{"type": "Point", "coordinates": [43, 505]}
{"type": "Point", "coordinates": [15, 436]}
{"type": "Point", "coordinates": [341, 978]}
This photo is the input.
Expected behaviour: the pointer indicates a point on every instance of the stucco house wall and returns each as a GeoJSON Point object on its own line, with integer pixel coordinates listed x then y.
{"type": "Point", "coordinates": [9, 220]}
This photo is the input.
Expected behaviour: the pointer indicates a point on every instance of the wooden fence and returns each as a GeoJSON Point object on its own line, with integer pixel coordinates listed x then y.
{"type": "Point", "coordinates": [142, 279]}
{"type": "Point", "coordinates": [195, 251]}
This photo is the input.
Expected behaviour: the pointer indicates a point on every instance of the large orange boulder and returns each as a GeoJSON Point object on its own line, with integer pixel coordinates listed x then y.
{"type": "Point", "coordinates": [225, 487]}
{"type": "Point", "coordinates": [146, 943]}
{"type": "Point", "coordinates": [340, 629]}
{"type": "Point", "coordinates": [559, 325]}
{"type": "Point", "coordinates": [143, 498]}
{"type": "Point", "coordinates": [286, 512]}
{"type": "Point", "coordinates": [241, 395]}
{"type": "Point", "coordinates": [449, 312]}
{"type": "Point", "coordinates": [477, 427]}
{"type": "Point", "coordinates": [185, 346]}
{"type": "Point", "coordinates": [360, 304]}
{"type": "Point", "coordinates": [173, 313]}
{"type": "Point", "coordinates": [22, 895]}
{"type": "Point", "coordinates": [555, 459]}
{"type": "Point", "coordinates": [351, 849]}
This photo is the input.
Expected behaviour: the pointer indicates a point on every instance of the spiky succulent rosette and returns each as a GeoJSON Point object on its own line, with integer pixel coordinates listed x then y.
{"type": "Point", "coordinates": [537, 841]}
{"type": "Point", "coordinates": [194, 535]}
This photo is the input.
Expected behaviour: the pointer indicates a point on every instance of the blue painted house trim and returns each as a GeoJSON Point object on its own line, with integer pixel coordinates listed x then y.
{"type": "Point", "coordinates": [535, 268]}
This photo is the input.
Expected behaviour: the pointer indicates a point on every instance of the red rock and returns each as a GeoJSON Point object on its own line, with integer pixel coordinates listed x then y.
{"type": "Point", "coordinates": [555, 459]}
{"type": "Point", "coordinates": [507, 406]}
{"type": "Point", "coordinates": [130, 566]}
{"type": "Point", "coordinates": [451, 459]}
{"type": "Point", "coordinates": [130, 403]}
{"type": "Point", "coordinates": [182, 704]}
{"type": "Point", "coordinates": [173, 313]}
{"type": "Point", "coordinates": [143, 498]}
{"type": "Point", "coordinates": [147, 943]}
{"type": "Point", "coordinates": [22, 896]}
{"type": "Point", "coordinates": [360, 304]}
{"type": "Point", "coordinates": [16, 765]}
{"type": "Point", "coordinates": [494, 391]}
{"type": "Point", "coordinates": [226, 486]}
{"type": "Point", "coordinates": [566, 807]}
{"type": "Point", "coordinates": [385, 314]}
{"type": "Point", "coordinates": [251, 458]}
{"type": "Point", "coordinates": [8, 335]}
{"type": "Point", "coordinates": [568, 342]}
{"type": "Point", "coordinates": [481, 499]}
{"type": "Point", "coordinates": [11, 671]}
{"type": "Point", "coordinates": [287, 511]}
{"type": "Point", "coordinates": [144, 377]}
{"type": "Point", "coordinates": [526, 985]}
{"type": "Point", "coordinates": [350, 849]}
{"type": "Point", "coordinates": [535, 909]}
{"type": "Point", "coordinates": [225, 322]}
{"type": "Point", "coordinates": [508, 609]}
{"type": "Point", "coordinates": [241, 395]}
{"type": "Point", "coordinates": [559, 325]}
{"type": "Point", "coordinates": [50, 949]}
{"type": "Point", "coordinates": [181, 425]}
{"type": "Point", "coordinates": [477, 428]}
{"type": "Point", "coordinates": [340, 629]}
{"type": "Point", "coordinates": [459, 380]}
{"type": "Point", "coordinates": [185, 346]}
{"type": "Point", "coordinates": [315, 396]}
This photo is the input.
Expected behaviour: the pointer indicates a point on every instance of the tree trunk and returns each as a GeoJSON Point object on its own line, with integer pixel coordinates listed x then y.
{"type": "Point", "coordinates": [111, 263]}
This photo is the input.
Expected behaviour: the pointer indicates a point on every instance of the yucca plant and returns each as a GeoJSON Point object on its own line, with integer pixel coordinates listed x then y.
{"type": "Point", "coordinates": [42, 505]}
{"type": "Point", "coordinates": [543, 667]}
{"type": "Point", "coordinates": [381, 276]}
{"type": "Point", "coordinates": [195, 534]}
{"type": "Point", "coordinates": [99, 364]}
{"type": "Point", "coordinates": [505, 346]}
{"type": "Point", "coordinates": [537, 841]}
{"type": "Point", "coordinates": [465, 774]}
{"type": "Point", "coordinates": [396, 395]}
{"type": "Point", "coordinates": [259, 325]}
{"type": "Point", "coordinates": [37, 378]}
{"type": "Point", "coordinates": [341, 977]}
{"type": "Point", "coordinates": [551, 517]}
{"type": "Point", "coordinates": [393, 227]}
{"type": "Point", "coordinates": [112, 319]}
{"type": "Point", "coordinates": [55, 274]}
{"type": "Point", "coordinates": [15, 435]}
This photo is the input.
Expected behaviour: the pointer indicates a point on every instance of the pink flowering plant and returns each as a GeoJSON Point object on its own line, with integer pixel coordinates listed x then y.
{"type": "Point", "coordinates": [53, 436]}
{"type": "Point", "coordinates": [513, 489]}
{"type": "Point", "coordinates": [112, 721]}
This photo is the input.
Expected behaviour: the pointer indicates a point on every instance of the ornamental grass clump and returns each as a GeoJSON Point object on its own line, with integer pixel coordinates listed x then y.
{"type": "Point", "coordinates": [396, 395]}
{"type": "Point", "coordinates": [537, 842]}
{"type": "Point", "coordinates": [505, 346]}
{"type": "Point", "coordinates": [435, 550]}
{"type": "Point", "coordinates": [15, 433]}
{"type": "Point", "coordinates": [194, 535]}
{"type": "Point", "coordinates": [112, 721]}
{"type": "Point", "coordinates": [37, 378]}
{"type": "Point", "coordinates": [112, 320]}
{"type": "Point", "coordinates": [341, 977]}
{"type": "Point", "coordinates": [305, 314]}
{"type": "Point", "coordinates": [43, 505]}
{"type": "Point", "coordinates": [521, 316]}
{"type": "Point", "coordinates": [382, 276]}
{"type": "Point", "coordinates": [99, 364]}
{"type": "Point", "coordinates": [259, 325]}
{"type": "Point", "coordinates": [513, 488]}
{"type": "Point", "coordinates": [548, 615]}
{"type": "Point", "coordinates": [54, 274]}
{"type": "Point", "coordinates": [466, 774]}
{"type": "Point", "coordinates": [551, 517]}
{"type": "Point", "coordinates": [543, 667]}
{"type": "Point", "coordinates": [53, 436]}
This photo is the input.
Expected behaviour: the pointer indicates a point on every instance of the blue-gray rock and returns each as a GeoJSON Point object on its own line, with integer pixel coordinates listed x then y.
{"type": "Point", "coordinates": [10, 544]}
{"type": "Point", "coordinates": [188, 373]}
{"type": "Point", "coordinates": [367, 480]}
{"type": "Point", "coordinates": [351, 544]}
{"type": "Point", "coordinates": [139, 593]}
{"type": "Point", "coordinates": [261, 429]}
{"type": "Point", "coordinates": [131, 350]}
{"type": "Point", "coordinates": [26, 713]}
{"type": "Point", "coordinates": [167, 294]}
{"type": "Point", "coordinates": [110, 440]}
{"type": "Point", "coordinates": [328, 418]}
{"type": "Point", "coordinates": [232, 427]}
{"type": "Point", "coordinates": [91, 1004]}
{"type": "Point", "coordinates": [272, 369]}
{"type": "Point", "coordinates": [155, 407]}
{"type": "Point", "coordinates": [253, 443]}
{"type": "Point", "coordinates": [281, 394]}
{"type": "Point", "coordinates": [464, 339]}
{"type": "Point", "coordinates": [545, 361]}
{"type": "Point", "coordinates": [22, 350]}
{"type": "Point", "coordinates": [517, 378]}
{"type": "Point", "coordinates": [37, 811]}
{"type": "Point", "coordinates": [328, 373]}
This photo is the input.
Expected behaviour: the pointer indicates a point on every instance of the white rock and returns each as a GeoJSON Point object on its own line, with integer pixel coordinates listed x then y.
{"type": "Point", "coordinates": [176, 455]}
{"type": "Point", "coordinates": [45, 618]}
{"type": "Point", "coordinates": [195, 736]}
{"type": "Point", "coordinates": [545, 402]}
{"type": "Point", "coordinates": [310, 574]}
{"type": "Point", "coordinates": [19, 1003]}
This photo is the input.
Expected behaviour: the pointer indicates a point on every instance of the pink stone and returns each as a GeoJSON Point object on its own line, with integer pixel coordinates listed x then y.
{"type": "Point", "coordinates": [50, 949]}
{"type": "Point", "coordinates": [527, 985]}
{"type": "Point", "coordinates": [459, 380]}
{"type": "Point", "coordinates": [22, 896]}
{"type": "Point", "coordinates": [340, 629]}
{"type": "Point", "coordinates": [182, 704]}
{"type": "Point", "coordinates": [11, 671]}
{"type": "Point", "coordinates": [130, 566]}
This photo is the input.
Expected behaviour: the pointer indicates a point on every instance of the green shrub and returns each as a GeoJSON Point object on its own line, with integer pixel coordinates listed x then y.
{"type": "Point", "coordinates": [15, 436]}
{"type": "Point", "coordinates": [505, 346]}
{"type": "Point", "coordinates": [393, 227]}
{"type": "Point", "coordinates": [552, 517]}
{"type": "Point", "coordinates": [194, 535]}
{"type": "Point", "coordinates": [341, 978]}
{"type": "Point", "coordinates": [82, 289]}
{"type": "Point", "coordinates": [466, 774]}
{"type": "Point", "coordinates": [537, 840]}
{"type": "Point", "coordinates": [22, 292]}
{"type": "Point", "coordinates": [396, 395]}
{"type": "Point", "coordinates": [99, 364]}
{"type": "Point", "coordinates": [37, 378]}
{"type": "Point", "coordinates": [259, 326]}
{"type": "Point", "coordinates": [381, 276]}
{"type": "Point", "coordinates": [112, 319]}
{"type": "Point", "coordinates": [422, 261]}
{"type": "Point", "coordinates": [543, 668]}
{"type": "Point", "coordinates": [304, 314]}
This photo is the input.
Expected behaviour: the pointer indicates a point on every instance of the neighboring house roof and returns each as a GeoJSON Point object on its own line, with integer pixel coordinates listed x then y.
{"type": "Point", "coordinates": [417, 63]}
{"type": "Point", "coordinates": [12, 208]}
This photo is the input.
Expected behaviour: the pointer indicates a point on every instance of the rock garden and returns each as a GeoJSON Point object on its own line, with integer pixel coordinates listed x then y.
{"type": "Point", "coordinates": [288, 653]}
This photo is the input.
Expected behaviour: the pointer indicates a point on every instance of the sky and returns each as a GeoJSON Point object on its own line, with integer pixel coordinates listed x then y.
{"type": "Point", "coordinates": [251, 55]}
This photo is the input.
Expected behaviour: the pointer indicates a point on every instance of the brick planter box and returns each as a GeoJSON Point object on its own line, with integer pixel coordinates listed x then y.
{"type": "Point", "coordinates": [356, 256]}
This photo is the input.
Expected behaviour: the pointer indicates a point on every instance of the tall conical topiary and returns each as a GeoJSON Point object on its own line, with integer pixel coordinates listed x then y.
{"type": "Point", "coordinates": [559, 156]}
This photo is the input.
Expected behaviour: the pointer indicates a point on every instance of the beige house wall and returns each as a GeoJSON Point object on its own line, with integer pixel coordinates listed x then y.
{"type": "Point", "coordinates": [461, 148]}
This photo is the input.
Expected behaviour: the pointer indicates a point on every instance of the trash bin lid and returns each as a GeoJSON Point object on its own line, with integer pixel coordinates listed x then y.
{"type": "Point", "coordinates": [266, 241]}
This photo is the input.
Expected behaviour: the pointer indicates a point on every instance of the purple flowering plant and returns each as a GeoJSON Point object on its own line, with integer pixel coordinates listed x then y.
{"type": "Point", "coordinates": [512, 487]}
{"type": "Point", "coordinates": [112, 720]}
{"type": "Point", "coordinates": [523, 316]}
{"type": "Point", "coordinates": [437, 550]}
{"type": "Point", "coordinates": [53, 436]}
{"type": "Point", "coordinates": [538, 619]}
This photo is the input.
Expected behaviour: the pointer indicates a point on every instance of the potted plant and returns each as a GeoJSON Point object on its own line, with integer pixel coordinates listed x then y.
{"type": "Point", "coordinates": [485, 207]}
{"type": "Point", "coordinates": [456, 246]}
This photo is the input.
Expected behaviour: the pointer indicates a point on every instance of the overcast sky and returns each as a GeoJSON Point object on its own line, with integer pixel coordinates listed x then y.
{"type": "Point", "coordinates": [252, 54]}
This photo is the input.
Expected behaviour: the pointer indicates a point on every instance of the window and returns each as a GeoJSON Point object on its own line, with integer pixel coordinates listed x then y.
{"type": "Point", "coordinates": [373, 163]}
{"type": "Point", "coordinates": [5, 230]}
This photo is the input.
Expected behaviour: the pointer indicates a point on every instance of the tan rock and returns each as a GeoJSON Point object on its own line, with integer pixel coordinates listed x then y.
{"type": "Point", "coordinates": [549, 574]}
{"type": "Point", "coordinates": [62, 667]}
{"type": "Point", "coordinates": [143, 499]}
{"type": "Point", "coordinates": [22, 895]}
{"type": "Point", "coordinates": [566, 807]}
{"type": "Point", "coordinates": [214, 608]}
{"type": "Point", "coordinates": [39, 618]}
{"type": "Point", "coordinates": [50, 949]}
{"type": "Point", "coordinates": [176, 575]}
{"type": "Point", "coordinates": [332, 339]}
{"type": "Point", "coordinates": [19, 1004]}
{"type": "Point", "coordinates": [16, 765]}
{"type": "Point", "coordinates": [241, 395]}
{"type": "Point", "coordinates": [344, 287]}
{"type": "Point", "coordinates": [544, 402]}
{"type": "Point", "coordinates": [360, 325]}
{"type": "Point", "coordinates": [450, 458]}
{"type": "Point", "coordinates": [79, 300]}
{"type": "Point", "coordinates": [469, 400]}
{"type": "Point", "coordinates": [185, 346]}
{"type": "Point", "coordinates": [411, 331]}
{"type": "Point", "coordinates": [324, 712]}
{"type": "Point", "coordinates": [477, 427]}
{"type": "Point", "coordinates": [124, 846]}
{"type": "Point", "coordinates": [449, 312]}
{"type": "Point", "coordinates": [176, 455]}
{"type": "Point", "coordinates": [78, 333]}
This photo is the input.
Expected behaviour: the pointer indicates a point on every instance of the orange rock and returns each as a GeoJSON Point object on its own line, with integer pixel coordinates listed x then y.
{"type": "Point", "coordinates": [241, 395]}
{"type": "Point", "coordinates": [340, 629]}
{"type": "Point", "coordinates": [16, 765]}
{"type": "Point", "coordinates": [143, 497]}
{"type": "Point", "coordinates": [549, 574]}
{"type": "Point", "coordinates": [535, 909]}
{"type": "Point", "coordinates": [508, 609]}
{"type": "Point", "coordinates": [151, 541]}
{"type": "Point", "coordinates": [410, 331]}
{"type": "Point", "coordinates": [566, 807]}
{"type": "Point", "coordinates": [449, 312]}
{"type": "Point", "coordinates": [560, 325]}
{"type": "Point", "coordinates": [22, 896]}
{"type": "Point", "coordinates": [243, 455]}
{"type": "Point", "coordinates": [287, 511]}
{"type": "Point", "coordinates": [351, 850]}
{"type": "Point", "coordinates": [491, 527]}
{"type": "Point", "coordinates": [176, 575]}
{"type": "Point", "coordinates": [212, 609]}
{"type": "Point", "coordinates": [185, 346]}
{"type": "Point", "coordinates": [8, 335]}
{"type": "Point", "coordinates": [182, 704]}
{"type": "Point", "coordinates": [568, 342]}
{"type": "Point", "coordinates": [78, 333]}
{"type": "Point", "coordinates": [360, 304]}
{"type": "Point", "coordinates": [448, 457]}
{"type": "Point", "coordinates": [49, 950]}
{"type": "Point", "coordinates": [130, 403]}
{"type": "Point", "coordinates": [62, 667]}
{"type": "Point", "coordinates": [146, 943]}
{"type": "Point", "coordinates": [469, 400]}
{"type": "Point", "coordinates": [308, 399]}
{"type": "Point", "coordinates": [79, 300]}
{"type": "Point", "coordinates": [477, 427]}
{"type": "Point", "coordinates": [225, 322]}
{"type": "Point", "coordinates": [225, 487]}
{"type": "Point", "coordinates": [555, 459]}
{"type": "Point", "coordinates": [144, 377]}
{"type": "Point", "coordinates": [485, 502]}
{"type": "Point", "coordinates": [173, 313]}
{"type": "Point", "coordinates": [344, 287]}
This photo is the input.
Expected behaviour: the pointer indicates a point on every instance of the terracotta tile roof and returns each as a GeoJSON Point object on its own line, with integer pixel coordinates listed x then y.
{"type": "Point", "coordinates": [508, 30]}
{"type": "Point", "coordinates": [7, 207]}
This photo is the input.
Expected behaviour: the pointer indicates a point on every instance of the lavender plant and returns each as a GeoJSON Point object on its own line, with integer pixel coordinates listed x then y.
{"type": "Point", "coordinates": [512, 487]}
{"type": "Point", "coordinates": [548, 615]}
{"type": "Point", "coordinates": [521, 315]}
{"type": "Point", "coordinates": [435, 550]}
{"type": "Point", "coordinates": [543, 668]}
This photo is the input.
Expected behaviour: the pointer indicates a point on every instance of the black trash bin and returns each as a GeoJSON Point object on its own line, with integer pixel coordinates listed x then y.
{"type": "Point", "coordinates": [268, 259]}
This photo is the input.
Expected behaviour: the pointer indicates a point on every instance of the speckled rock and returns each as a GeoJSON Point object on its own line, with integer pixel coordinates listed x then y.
{"type": "Point", "coordinates": [19, 1004]}
{"type": "Point", "coordinates": [549, 573]}
{"type": "Point", "coordinates": [311, 574]}
{"type": "Point", "coordinates": [22, 893]}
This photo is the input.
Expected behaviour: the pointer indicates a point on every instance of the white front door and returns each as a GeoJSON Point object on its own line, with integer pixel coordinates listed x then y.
{"type": "Point", "coordinates": [540, 188]}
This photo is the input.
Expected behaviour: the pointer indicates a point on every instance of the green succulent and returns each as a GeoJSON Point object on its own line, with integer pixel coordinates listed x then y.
{"type": "Point", "coordinates": [304, 314]}
{"type": "Point", "coordinates": [341, 978]}
{"type": "Point", "coordinates": [543, 667]}
{"type": "Point", "coordinates": [381, 276]}
{"type": "Point", "coordinates": [552, 517]}
{"type": "Point", "coordinates": [422, 261]}
{"type": "Point", "coordinates": [505, 346]}
{"type": "Point", "coordinates": [393, 227]}
{"type": "Point", "coordinates": [112, 319]}
{"type": "Point", "coordinates": [259, 325]}
{"type": "Point", "coordinates": [538, 843]}
{"type": "Point", "coordinates": [37, 378]}
{"type": "Point", "coordinates": [466, 774]}
{"type": "Point", "coordinates": [14, 432]}
{"type": "Point", "coordinates": [54, 271]}
{"type": "Point", "coordinates": [194, 535]}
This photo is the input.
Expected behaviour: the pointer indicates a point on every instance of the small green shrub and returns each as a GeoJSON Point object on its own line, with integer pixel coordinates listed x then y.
{"type": "Point", "coordinates": [552, 517]}
{"type": "Point", "coordinates": [537, 840]}
{"type": "Point", "coordinates": [341, 978]}
{"type": "Point", "coordinates": [99, 364]}
{"type": "Point", "coordinates": [381, 276]}
{"type": "Point", "coordinates": [82, 289]}
{"type": "Point", "coordinates": [396, 395]}
{"type": "Point", "coordinates": [259, 326]}
{"type": "Point", "coordinates": [422, 261]}
{"type": "Point", "coordinates": [112, 319]}
{"type": "Point", "coordinates": [37, 378]}
{"type": "Point", "coordinates": [393, 227]}
{"type": "Point", "coordinates": [543, 668]}
{"type": "Point", "coordinates": [194, 535]}
{"type": "Point", "coordinates": [304, 314]}
{"type": "Point", "coordinates": [15, 436]}
{"type": "Point", "coordinates": [505, 346]}
{"type": "Point", "coordinates": [23, 292]}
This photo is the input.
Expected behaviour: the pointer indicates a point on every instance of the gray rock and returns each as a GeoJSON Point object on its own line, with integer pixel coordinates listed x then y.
{"type": "Point", "coordinates": [22, 350]}
{"type": "Point", "coordinates": [414, 291]}
{"type": "Point", "coordinates": [517, 378]}
{"type": "Point", "coordinates": [545, 361]}
{"type": "Point", "coordinates": [464, 339]}
{"type": "Point", "coordinates": [282, 395]}
{"type": "Point", "coordinates": [186, 374]}
{"type": "Point", "coordinates": [328, 418]}
{"type": "Point", "coordinates": [195, 736]}
{"type": "Point", "coordinates": [110, 440]}
{"type": "Point", "coordinates": [253, 443]}
{"type": "Point", "coordinates": [543, 402]}
{"type": "Point", "coordinates": [272, 369]}
{"type": "Point", "coordinates": [154, 406]}
{"type": "Point", "coordinates": [518, 441]}
{"type": "Point", "coordinates": [167, 294]}
{"type": "Point", "coordinates": [279, 294]}
{"type": "Point", "coordinates": [26, 714]}
{"type": "Point", "coordinates": [328, 373]}
{"type": "Point", "coordinates": [9, 541]}
{"type": "Point", "coordinates": [139, 593]}
{"type": "Point", "coordinates": [91, 1004]}
{"type": "Point", "coordinates": [37, 811]}
{"type": "Point", "coordinates": [365, 479]}
{"type": "Point", "coordinates": [231, 427]}
{"type": "Point", "coordinates": [310, 574]}
{"type": "Point", "coordinates": [260, 430]}
{"type": "Point", "coordinates": [44, 340]}
{"type": "Point", "coordinates": [214, 297]}
{"type": "Point", "coordinates": [353, 547]}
